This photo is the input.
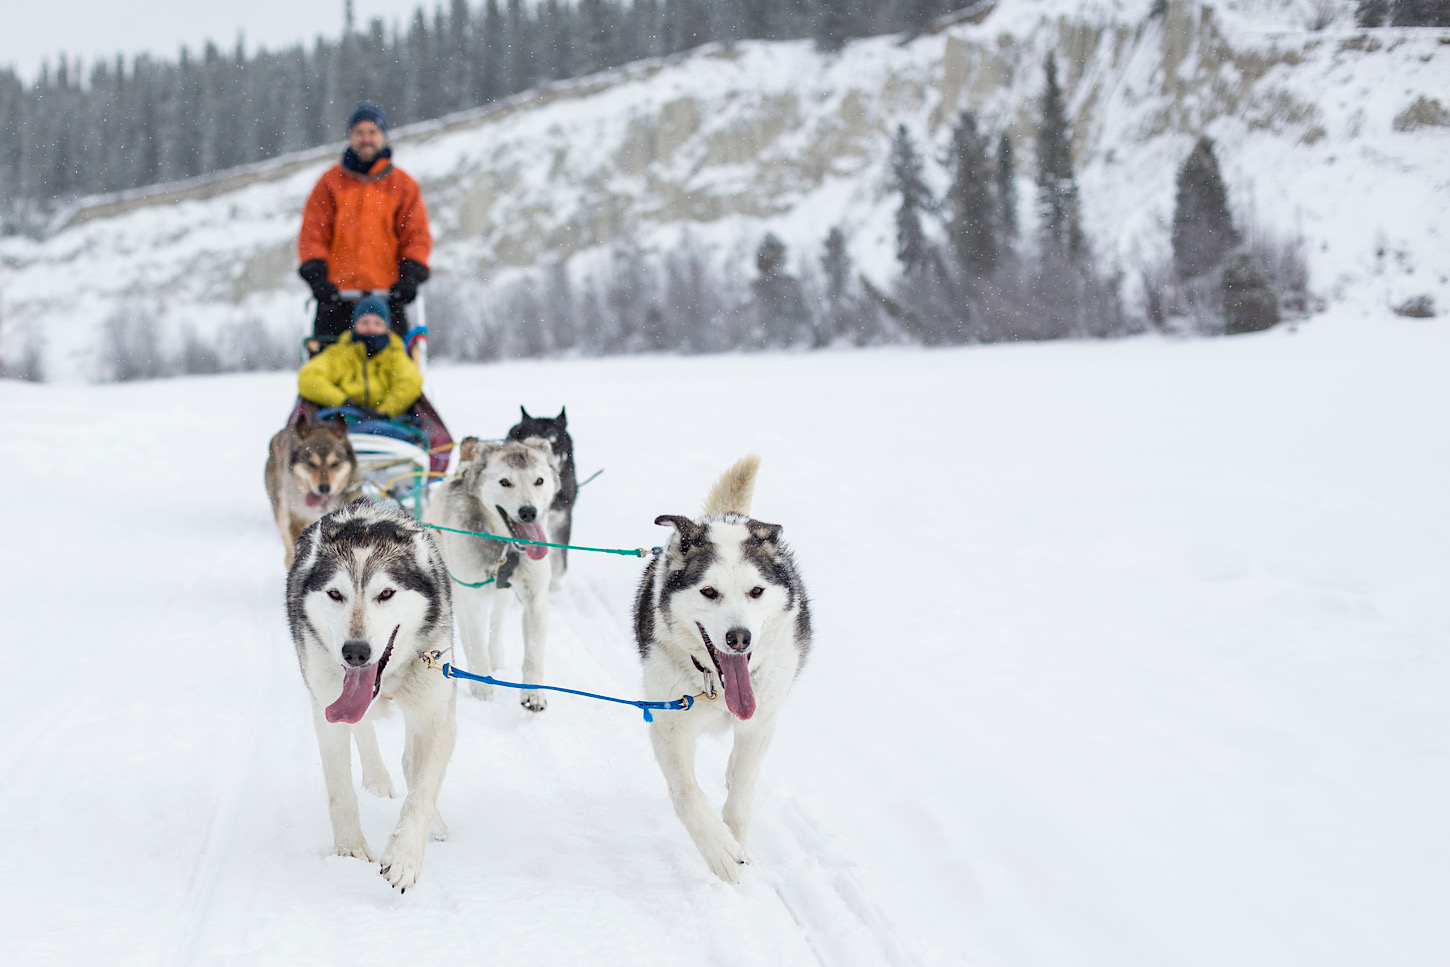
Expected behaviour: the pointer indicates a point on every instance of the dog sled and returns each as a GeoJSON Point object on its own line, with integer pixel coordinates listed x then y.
{"type": "Point", "coordinates": [397, 458]}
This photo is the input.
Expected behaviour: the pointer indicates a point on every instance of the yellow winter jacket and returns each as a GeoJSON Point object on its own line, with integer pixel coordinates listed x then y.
{"type": "Point", "coordinates": [389, 382]}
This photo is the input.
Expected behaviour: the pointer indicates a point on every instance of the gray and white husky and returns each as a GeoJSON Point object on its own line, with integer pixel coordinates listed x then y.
{"type": "Point", "coordinates": [366, 596]}
{"type": "Point", "coordinates": [501, 488]}
{"type": "Point", "coordinates": [724, 607]}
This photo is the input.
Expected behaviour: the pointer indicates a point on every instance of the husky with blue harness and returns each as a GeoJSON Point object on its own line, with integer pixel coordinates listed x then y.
{"type": "Point", "coordinates": [723, 606]}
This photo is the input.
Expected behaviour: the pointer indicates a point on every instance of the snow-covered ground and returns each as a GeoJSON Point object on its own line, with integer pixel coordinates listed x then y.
{"type": "Point", "coordinates": [1128, 653]}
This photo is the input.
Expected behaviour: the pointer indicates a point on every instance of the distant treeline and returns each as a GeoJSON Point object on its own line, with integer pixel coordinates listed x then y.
{"type": "Point", "coordinates": [111, 125]}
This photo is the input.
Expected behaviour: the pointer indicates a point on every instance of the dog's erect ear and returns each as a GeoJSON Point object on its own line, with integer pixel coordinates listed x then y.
{"type": "Point", "coordinates": [763, 532]}
{"type": "Point", "coordinates": [303, 428]}
{"type": "Point", "coordinates": [468, 449]}
{"type": "Point", "coordinates": [541, 443]}
{"type": "Point", "coordinates": [563, 420]}
{"type": "Point", "coordinates": [339, 421]}
{"type": "Point", "coordinates": [524, 412]}
{"type": "Point", "coordinates": [690, 532]}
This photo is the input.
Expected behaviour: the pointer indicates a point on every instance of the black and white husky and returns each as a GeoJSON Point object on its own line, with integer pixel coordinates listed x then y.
{"type": "Point", "coordinates": [560, 518]}
{"type": "Point", "coordinates": [722, 607]}
{"type": "Point", "coordinates": [366, 596]}
{"type": "Point", "coordinates": [501, 488]}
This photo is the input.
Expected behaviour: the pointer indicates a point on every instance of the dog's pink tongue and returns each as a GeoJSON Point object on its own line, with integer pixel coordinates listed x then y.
{"type": "Point", "coordinates": [735, 678]}
{"type": "Point", "coordinates": [357, 695]}
{"type": "Point", "coordinates": [531, 532]}
{"type": "Point", "coordinates": [314, 500]}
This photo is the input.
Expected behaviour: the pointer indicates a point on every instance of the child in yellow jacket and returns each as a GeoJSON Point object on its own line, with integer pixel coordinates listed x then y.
{"type": "Point", "coordinates": [366, 367]}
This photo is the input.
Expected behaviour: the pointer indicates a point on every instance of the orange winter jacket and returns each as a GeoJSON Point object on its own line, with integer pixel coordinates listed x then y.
{"type": "Point", "coordinates": [363, 225]}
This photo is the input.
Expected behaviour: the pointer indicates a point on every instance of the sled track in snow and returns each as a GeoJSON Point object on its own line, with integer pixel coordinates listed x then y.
{"type": "Point", "coordinates": [218, 849]}
{"type": "Point", "coordinates": [837, 920]}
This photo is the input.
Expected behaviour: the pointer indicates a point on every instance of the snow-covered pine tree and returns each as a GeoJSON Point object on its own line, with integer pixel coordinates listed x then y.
{"type": "Point", "coordinates": [1203, 231]}
{"type": "Point", "coordinates": [971, 215]}
{"type": "Point", "coordinates": [1057, 197]}
{"type": "Point", "coordinates": [906, 179]}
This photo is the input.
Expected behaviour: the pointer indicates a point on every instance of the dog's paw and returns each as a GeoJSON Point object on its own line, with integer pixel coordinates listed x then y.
{"type": "Point", "coordinates": [438, 832]}
{"type": "Point", "coordinates": [534, 702]}
{"type": "Point", "coordinates": [380, 785]}
{"type": "Point", "coordinates": [481, 691]}
{"type": "Point", "coordinates": [356, 848]}
{"type": "Point", "coordinates": [401, 867]}
{"type": "Point", "coordinates": [727, 858]}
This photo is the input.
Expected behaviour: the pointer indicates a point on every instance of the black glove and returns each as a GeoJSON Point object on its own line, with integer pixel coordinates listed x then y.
{"type": "Point", "coordinates": [410, 275]}
{"type": "Point", "coordinates": [314, 273]}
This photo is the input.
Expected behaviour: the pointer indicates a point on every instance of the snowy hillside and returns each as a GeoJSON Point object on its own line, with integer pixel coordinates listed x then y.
{"type": "Point", "coordinates": [1338, 135]}
{"type": "Point", "coordinates": [1149, 667]}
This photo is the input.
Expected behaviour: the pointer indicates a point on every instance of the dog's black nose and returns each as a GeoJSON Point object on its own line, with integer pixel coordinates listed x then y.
{"type": "Point", "coordinates": [355, 652]}
{"type": "Point", "coordinates": [527, 513]}
{"type": "Point", "coordinates": [323, 488]}
{"type": "Point", "coordinates": [738, 638]}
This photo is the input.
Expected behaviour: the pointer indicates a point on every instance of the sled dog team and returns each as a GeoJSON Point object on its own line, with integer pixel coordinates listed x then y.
{"type": "Point", "coordinates": [721, 609]}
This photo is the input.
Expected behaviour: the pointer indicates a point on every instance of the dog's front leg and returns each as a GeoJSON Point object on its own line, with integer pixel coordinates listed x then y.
{"type": "Point", "coordinates": [751, 741]}
{"type": "Point", "coordinates": [498, 609]}
{"type": "Point", "coordinates": [431, 734]}
{"type": "Point", "coordinates": [469, 607]}
{"type": "Point", "coordinates": [375, 776]}
{"type": "Point", "coordinates": [335, 743]}
{"type": "Point", "coordinates": [675, 750]}
{"type": "Point", "coordinates": [536, 632]}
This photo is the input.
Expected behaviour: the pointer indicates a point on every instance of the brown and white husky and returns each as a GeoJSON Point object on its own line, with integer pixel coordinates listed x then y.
{"type": "Point", "coordinates": [311, 469]}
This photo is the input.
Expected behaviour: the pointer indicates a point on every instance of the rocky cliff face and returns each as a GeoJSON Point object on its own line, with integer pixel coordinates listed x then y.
{"type": "Point", "coordinates": [1339, 135]}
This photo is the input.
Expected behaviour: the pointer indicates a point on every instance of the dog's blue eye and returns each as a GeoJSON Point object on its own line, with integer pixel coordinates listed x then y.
{"type": "Point", "coordinates": [756, 592]}
{"type": "Point", "coordinates": [710, 593]}
{"type": "Point", "coordinates": [389, 592]}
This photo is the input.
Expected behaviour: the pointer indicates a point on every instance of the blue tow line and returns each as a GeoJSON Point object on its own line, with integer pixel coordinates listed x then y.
{"type": "Point", "coordinates": [680, 704]}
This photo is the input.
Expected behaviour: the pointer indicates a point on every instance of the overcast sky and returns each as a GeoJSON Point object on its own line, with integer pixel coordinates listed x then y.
{"type": "Point", "coordinates": [92, 28]}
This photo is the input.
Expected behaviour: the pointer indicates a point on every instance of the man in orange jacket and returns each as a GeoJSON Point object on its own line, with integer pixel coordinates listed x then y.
{"type": "Point", "coordinates": [364, 228]}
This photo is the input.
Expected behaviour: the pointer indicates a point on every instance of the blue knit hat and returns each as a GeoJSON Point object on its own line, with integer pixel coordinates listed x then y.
{"type": "Point", "coordinates": [368, 111]}
{"type": "Point", "coordinates": [371, 304]}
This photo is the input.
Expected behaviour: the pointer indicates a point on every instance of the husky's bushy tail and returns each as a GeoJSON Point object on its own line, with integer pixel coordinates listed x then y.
{"type": "Point", "coordinates": [732, 493]}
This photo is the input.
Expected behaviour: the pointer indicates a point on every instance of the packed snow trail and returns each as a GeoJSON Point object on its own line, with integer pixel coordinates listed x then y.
{"type": "Point", "coordinates": [1127, 653]}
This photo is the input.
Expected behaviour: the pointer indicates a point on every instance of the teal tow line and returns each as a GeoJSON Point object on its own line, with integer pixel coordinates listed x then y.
{"type": "Point", "coordinates": [683, 703]}
{"type": "Point", "coordinates": [468, 584]}
{"type": "Point", "coordinates": [626, 551]}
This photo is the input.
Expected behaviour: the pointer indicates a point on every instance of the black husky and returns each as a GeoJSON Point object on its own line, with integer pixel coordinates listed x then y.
{"type": "Point", "coordinates": [561, 511]}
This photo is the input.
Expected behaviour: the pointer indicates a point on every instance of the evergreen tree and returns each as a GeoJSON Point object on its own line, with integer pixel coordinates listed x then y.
{"type": "Point", "coordinates": [1203, 231]}
{"type": "Point", "coordinates": [836, 267]}
{"type": "Point", "coordinates": [779, 303]}
{"type": "Point", "coordinates": [1420, 13]}
{"type": "Point", "coordinates": [833, 25]}
{"type": "Point", "coordinates": [1372, 13]}
{"type": "Point", "coordinates": [1006, 196]}
{"type": "Point", "coordinates": [906, 179]}
{"type": "Point", "coordinates": [1057, 198]}
{"type": "Point", "coordinates": [1249, 304]}
{"type": "Point", "coordinates": [919, 14]}
{"type": "Point", "coordinates": [971, 216]}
